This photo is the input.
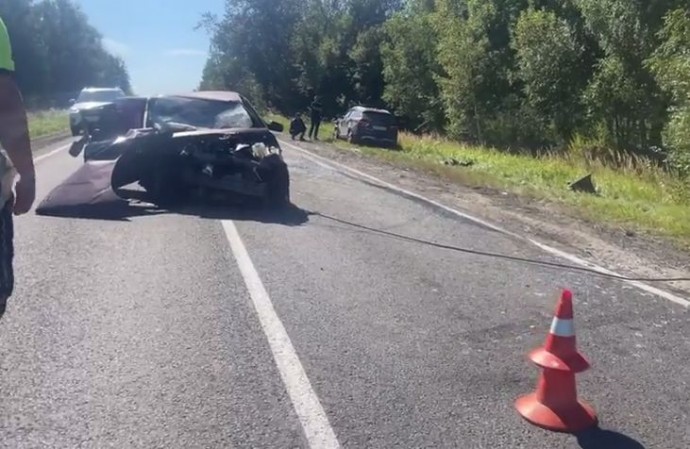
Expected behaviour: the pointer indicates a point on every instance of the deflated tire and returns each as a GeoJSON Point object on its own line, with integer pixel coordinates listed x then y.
{"type": "Point", "coordinates": [274, 172]}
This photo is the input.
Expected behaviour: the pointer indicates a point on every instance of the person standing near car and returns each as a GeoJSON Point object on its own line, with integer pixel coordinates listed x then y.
{"type": "Point", "coordinates": [14, 139]}
{"type": "Point", "coordinates": [315, 118]}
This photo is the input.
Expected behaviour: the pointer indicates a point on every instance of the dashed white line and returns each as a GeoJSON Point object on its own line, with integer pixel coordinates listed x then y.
{"type": "Point", "coordinates": [317, 429]}
{"type": "Point", "coordinates": [332, 165]}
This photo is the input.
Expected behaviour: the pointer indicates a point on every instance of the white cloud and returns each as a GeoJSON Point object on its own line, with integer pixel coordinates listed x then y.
{"type": "Point", "coordinates": [115, 47]}
{"type": "Point", "coordinates": [185, 52]}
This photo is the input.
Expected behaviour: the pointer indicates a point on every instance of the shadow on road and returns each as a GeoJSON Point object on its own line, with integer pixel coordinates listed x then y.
{"type": "Point", "coordinates": [598, 438]}
{"type": "Point", "coordinates": [290, 215]}
{"type": "Point", "coordinates": [125, 210]}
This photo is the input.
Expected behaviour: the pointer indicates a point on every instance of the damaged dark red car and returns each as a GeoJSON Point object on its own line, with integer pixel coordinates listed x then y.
{"type": "Point", "coordinates": [209, 145]}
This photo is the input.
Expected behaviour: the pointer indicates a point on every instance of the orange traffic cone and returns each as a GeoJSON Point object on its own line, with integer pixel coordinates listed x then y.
{"type": "Point", "coordinates": [554, 405]}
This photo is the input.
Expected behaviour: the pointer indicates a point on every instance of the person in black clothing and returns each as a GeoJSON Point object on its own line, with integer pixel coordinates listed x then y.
{"type": "Point", "coordinates": [315, 119]}
{"type": "Point", "coordinates": [297, 127]}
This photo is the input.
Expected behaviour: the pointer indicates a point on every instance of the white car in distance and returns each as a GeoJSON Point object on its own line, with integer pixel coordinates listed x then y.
{"type": "Point", "coordinates": [90, 97]}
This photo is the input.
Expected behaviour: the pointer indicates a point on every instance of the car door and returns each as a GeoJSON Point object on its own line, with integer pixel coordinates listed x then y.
{"type": "Point", "coordinates": [343, 123]}
{"type": "Point", "coordinates": [355, 117]}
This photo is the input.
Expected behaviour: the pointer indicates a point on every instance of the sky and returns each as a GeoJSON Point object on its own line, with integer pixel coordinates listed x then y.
{"type": "Point", "coordinates": [156, 39]}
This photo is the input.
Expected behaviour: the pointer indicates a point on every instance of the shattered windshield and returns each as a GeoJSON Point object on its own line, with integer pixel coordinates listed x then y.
{"type": "Point", "coordinates": [200, 113]}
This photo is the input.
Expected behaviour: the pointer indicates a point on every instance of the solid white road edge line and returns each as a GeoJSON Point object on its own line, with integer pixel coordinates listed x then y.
{"type": "Point", "coordinates": [314, 421]}
{"type": "Point", "coordinates": [333, 165]}
{"type": "Point", "coordinates": [51, 153]}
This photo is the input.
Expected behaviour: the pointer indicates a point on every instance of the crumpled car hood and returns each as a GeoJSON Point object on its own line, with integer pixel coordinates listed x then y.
{"type": "Point", "coordinates": [89, 185]}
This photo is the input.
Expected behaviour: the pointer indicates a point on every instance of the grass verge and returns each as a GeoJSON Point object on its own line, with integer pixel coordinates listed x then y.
{"type": "Point", "coordinates": [639, 199]}
{"type": "Point", "coordinates": [45, 123]}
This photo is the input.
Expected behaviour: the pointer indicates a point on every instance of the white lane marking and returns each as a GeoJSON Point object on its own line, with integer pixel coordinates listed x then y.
{"type": "Point", "coordinates": [332, 165]}
{"type": "Point", "coordinates": [314, 421]}
{"type": "Point", "coordinates": [51, 153]}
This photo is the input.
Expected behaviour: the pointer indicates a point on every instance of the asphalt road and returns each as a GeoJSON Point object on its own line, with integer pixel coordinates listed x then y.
{"type": "Point", "coordinates": [241, 329]}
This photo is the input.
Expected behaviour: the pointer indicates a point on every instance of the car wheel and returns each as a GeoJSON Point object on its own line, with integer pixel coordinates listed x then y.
{"type": "Point", "coordinates": [351, 138]}
{"type": "Point", "coordinates": [278, 183]}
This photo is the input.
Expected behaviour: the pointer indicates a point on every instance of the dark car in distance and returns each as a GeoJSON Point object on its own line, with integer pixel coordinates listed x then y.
{"type": "Point", "coordinates": [362, 124]}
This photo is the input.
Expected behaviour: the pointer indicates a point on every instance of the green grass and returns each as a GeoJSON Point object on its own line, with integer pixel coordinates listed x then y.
{"type": "Point", "coordinates": [46, 123]}
{"type": "Point", "coordinates": [641, 199]}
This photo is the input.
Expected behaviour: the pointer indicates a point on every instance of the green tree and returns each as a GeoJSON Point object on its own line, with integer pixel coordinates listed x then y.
{"type": "Point", "coordinates": [256, 35]}
{"type": "Point", "coordinates": [504, 72]}
{"type": "Point", "coordinates": [28, 46]}
{"type": "Point", "coordinates": [623, 93]}
{"type": "Point", "coordinates": [548, 57]}
{"type": "Point", "coordinates": [367, 79]}
{"type": "Point", "coordinates": [671, 65]}
{"type": "Point", "coordinates": [476, 58]}
{"type": "Point", "coordinates": [303, 48]}
{"type": "Point", "coordinates": [57, 51]}
{"type": "Point", "coordinates": [410, 67]}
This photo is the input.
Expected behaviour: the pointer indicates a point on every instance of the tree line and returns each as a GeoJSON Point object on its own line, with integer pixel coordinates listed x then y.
{"type": "Point", "coordinates": [518, 73]}
{"type": "Point", "coordinates": [57, 52]}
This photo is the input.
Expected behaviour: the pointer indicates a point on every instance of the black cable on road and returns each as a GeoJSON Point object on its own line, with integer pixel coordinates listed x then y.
{"type": "Point", "coordinates": [496, 255]}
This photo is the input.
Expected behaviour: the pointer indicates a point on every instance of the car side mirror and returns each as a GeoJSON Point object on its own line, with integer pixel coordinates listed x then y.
{"type": "Point", "coordinates": [275, 126]}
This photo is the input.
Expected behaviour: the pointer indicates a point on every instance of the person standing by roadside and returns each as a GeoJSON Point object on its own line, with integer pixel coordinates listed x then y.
{"type": "Point", "coordinates": [315, 118]}
{"type": "Point", "coordinates": [14, 139]}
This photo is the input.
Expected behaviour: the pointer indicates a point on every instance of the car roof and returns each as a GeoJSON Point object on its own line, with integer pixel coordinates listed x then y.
{"type": "Point", "coordinates": [366, 109]}
{"type": "Point", "coordinates": [218, 95]}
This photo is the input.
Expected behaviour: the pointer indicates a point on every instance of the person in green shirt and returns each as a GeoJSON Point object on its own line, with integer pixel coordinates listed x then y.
{"type": "Point", "coordinates": [16, 158]}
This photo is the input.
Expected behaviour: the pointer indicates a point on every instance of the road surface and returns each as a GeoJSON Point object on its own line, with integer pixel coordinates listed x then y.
{"type": "Point", "coordinates": [314, 329]}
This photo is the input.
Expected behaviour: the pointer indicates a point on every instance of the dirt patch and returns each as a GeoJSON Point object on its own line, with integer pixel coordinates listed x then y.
{"type": "Point", "coordinates": [618, 249]}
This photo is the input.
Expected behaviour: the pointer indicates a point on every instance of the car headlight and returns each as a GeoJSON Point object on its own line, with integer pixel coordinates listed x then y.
{"type": "Point", "coordinates": [260, 150]}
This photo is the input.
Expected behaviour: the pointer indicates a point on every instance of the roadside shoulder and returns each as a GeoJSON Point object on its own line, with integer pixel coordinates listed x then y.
{"type": "Point", "coordinates": [40, 143]}
{"type": "Point", "coordinates": [635, 255]}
